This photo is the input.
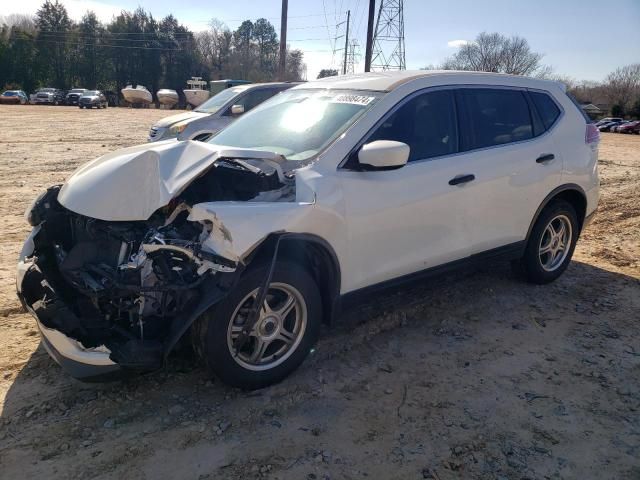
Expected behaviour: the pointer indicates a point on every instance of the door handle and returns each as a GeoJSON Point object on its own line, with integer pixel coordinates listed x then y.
{"type": "Point", "coordinates": [462, 179]}
{"type": "Point", "coordinates": [545, 158]}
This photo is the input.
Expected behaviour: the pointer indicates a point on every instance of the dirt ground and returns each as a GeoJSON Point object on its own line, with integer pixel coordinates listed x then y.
{"type": "Point", "coordinates": [475, 375]}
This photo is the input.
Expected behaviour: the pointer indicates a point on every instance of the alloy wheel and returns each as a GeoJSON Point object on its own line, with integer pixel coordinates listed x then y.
{"type": "Point", "coordinates": [277, 333]}
{"type": "Point", "coordinates": [555, 243]}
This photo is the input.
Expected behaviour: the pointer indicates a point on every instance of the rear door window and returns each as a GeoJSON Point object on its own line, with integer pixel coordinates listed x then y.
{"type": "Point", "coordinates": [546, 107]}
{"type": "Point", "coordinates": [494, 116]}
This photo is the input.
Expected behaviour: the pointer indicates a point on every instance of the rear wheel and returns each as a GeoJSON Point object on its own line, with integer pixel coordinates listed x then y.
{"type": "Point", "coordinates": [287, 327]}
{"type": "Point", "coordinates": [551, 243]}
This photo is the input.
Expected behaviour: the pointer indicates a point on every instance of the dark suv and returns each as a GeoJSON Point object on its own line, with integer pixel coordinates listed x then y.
{"type": "Point", "coordinates": [74, 95]}
{"type": "Point", "coordinates": [92, 98]}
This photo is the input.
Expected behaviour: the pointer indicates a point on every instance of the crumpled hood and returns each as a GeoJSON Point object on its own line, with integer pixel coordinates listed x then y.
{"type": "Point", "coordinates": [168, 121]}
{"type": "Point", "coordinates": [132, 183]}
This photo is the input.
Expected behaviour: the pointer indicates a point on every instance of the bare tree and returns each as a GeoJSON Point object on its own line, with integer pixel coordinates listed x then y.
{"type": "Point", "coordinates": [623, 85]}
{"type": "Point", "coordinates": [493, 52]}
{"type": "Point", "coordinates": [21, 21]}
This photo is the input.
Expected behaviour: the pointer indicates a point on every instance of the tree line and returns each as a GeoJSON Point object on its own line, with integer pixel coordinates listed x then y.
{"type": "Point", "coordinates": [51, 50]}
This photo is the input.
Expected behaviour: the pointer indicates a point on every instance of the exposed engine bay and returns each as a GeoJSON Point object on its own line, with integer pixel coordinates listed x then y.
{"type": "Point", "coordinates": [135, 287]}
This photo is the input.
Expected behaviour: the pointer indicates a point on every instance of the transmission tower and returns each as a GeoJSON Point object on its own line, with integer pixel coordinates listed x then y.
{"type": "Point", "coordinates": [353, 56]}
{"type": "Point", "coordinates": [388, 40]}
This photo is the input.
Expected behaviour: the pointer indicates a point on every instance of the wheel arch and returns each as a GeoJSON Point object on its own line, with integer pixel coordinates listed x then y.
{"type": "Point", "coordinates": [570, 192]}
{"type": "Point", "coordinates": [316, 254]}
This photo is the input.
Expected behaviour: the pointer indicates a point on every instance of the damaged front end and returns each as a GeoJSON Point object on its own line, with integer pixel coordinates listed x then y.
{"type": "Point", "coordinates": [111, 295]}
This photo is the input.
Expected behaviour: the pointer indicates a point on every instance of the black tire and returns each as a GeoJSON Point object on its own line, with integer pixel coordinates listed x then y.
{"type": "Point", "coordinates": [531, 263]}
{"type": "Point", "coordinates": [210, 331]}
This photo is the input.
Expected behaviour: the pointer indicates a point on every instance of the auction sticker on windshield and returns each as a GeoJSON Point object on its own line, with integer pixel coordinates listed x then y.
{"type": "Point", "coordinates": [353, 99]}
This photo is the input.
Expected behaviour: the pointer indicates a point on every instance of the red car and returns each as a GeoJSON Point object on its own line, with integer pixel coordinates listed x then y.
{"type": "Point", "coordinates": [16, 97]}
{"type": "Point", "coordinates": [631, 127]}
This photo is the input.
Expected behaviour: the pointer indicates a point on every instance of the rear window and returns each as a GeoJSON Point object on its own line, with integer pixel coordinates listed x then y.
{"type": "Point", "coordinates": [546, 107]}
{"type": "Point", "coordinates": [494, 117]}
{"type": "Point", "coordinates": [577, 104]}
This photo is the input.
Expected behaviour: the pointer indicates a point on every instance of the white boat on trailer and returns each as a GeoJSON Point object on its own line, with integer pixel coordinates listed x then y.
{"type": "Point", "coordinates": [167, 97]}
{"type": "Point", "coordinates": [137, 95]}
{"type": "Point", "coordinates": [197, 92]}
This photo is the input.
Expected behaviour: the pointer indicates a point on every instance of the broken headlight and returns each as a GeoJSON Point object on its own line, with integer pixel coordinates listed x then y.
{"type": "Point", "coordinates": [37, 211]}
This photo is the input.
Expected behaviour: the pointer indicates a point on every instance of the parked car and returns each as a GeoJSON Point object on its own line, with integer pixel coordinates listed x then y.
{"type": "Point", "coordinates": [216, 113]}
{"type": "Point", "coordinates": [16, 97]}
{"type": "Point", "coordinates": [330, 190]}
{"type": "Point", "coordinates": [93, 98]}
{"type": "Point", "coordinates": [608, 120]}
{"type": "Point", "coordinates": [608, 126]}
{"type": "Point", "coordinates": [616, 128]}
{"type": "Point", "coordinates": [49, 96]}
{"type": "Point", "coordinates": [629, 127]}
{"type": "Point", "coordinates": [74, 95]}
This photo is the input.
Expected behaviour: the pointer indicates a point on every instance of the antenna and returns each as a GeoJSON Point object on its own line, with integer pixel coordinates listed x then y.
{"type": "Point", "coordinates": [388, 41]}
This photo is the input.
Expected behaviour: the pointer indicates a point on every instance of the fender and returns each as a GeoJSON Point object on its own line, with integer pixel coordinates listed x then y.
{"type": "Point", "coordinates": [327, 271]}
{"type": "Point", "coordinates": [268, 250]}
{"type": "Point", "coordinates": [551, 196]}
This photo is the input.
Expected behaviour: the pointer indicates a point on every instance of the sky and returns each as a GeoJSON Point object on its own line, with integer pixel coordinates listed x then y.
{"type": "Point", "coordinates": [582, 39]}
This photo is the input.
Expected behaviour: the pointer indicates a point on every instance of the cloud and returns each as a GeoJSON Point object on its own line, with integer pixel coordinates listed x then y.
{"type": "Point", "coordinates": [457, 43]}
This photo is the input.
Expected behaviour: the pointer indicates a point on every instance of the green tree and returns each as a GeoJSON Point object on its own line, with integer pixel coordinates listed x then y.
{"type": "Point", "coordinates": [18, 52]}
{"type": "Point", "coordinates": [267, 42]}
{"type": "Point", "coordinates": [294, 67]}
{"type": "Point", "coordinates": [328, 72]}
{"type": "Point", "coordinates": [617, 110]}
{"type": "Point", "coordinates": [92, 63]}
{"type": "Point", "coordinates": [635, 110]}
{"type": "Point", "coordinates": [54, 27]}
{"type": "Point", "coordinates": [242, 38]}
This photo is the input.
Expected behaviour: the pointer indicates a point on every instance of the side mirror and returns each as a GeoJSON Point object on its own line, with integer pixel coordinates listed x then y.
{"type": "Point", "coordinates": [384, 154]}
{"type": "Point", "coordinates": [237, 109]}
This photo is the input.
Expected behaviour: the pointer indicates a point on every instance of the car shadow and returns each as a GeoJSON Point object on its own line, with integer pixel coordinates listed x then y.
{"type": "Point", "coordinates": [42, 392]}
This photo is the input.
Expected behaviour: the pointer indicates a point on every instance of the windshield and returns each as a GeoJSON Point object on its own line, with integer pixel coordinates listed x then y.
{"type": "Point", "coordinates": [47, 90]}
{"type": "Point", "coordinates": [219, 100]}
{"type": "Point", "coordinates": [89, 93]}
{"type": "Point", "coordinates": [9, 94]}
{"type": "Point", "coordinates": [297, 123]}
{"type": "Point", "coordinates": [77, 90]}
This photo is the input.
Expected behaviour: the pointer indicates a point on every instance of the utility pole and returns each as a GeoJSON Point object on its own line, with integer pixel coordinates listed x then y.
{"type": "Point", "coordinates": [346, 44]}
{"type": "Point", "coordinates": [368, 50]}
{"type": "Point", "coordinates": [283, 39]}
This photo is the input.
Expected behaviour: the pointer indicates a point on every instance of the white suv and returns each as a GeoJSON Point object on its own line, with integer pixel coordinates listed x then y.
{"type": "Point", "coordinates": [328, 190]}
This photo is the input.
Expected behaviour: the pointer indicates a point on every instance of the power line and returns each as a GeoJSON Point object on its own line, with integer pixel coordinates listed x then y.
{"type": "Point", "coordinates": [73, 35]}
{"type": "Point", "coordinates": [103, 45]}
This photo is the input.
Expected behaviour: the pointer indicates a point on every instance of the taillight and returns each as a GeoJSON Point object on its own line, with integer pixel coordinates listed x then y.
{"type": "Point", "coordinates": [592, 135]}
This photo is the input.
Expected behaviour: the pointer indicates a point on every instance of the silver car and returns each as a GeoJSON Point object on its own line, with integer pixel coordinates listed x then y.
{"type": "Point", "coordinates": [216, 113]}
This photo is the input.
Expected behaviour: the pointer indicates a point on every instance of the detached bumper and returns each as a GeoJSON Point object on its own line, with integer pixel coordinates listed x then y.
{"type": "Point", "coordinates": [77, 361]}
{"type": "Point", "coordinates": [80, 362]}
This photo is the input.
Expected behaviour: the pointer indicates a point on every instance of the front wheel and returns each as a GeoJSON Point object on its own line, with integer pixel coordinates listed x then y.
{"type": "Point", "coordinates": [287, 327]}
{"type": "Point", "coordinates": [551, 243]}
